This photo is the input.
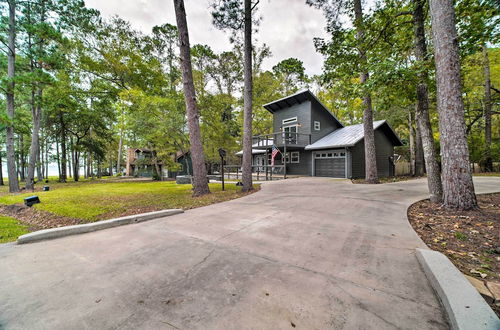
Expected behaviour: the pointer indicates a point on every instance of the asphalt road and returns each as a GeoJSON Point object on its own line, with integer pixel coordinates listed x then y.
{"type": "Point", "coordinates": [307, 253]}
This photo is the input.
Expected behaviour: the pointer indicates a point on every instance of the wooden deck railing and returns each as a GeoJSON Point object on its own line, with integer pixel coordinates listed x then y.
{"type": "Point", "coordinates": [264, 172]}
{"type": "Point", "coordinates": [281, 139]}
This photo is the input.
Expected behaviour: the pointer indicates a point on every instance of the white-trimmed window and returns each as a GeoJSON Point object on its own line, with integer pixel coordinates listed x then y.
{"type": "Point", "coordinates": [295, 157]}
{"type": "Point", "coordinates": [317, 125]}
{"type": "Point", "coordinates": [289, 120]}
{"type": "Point", "coordinates": [330, 155]}
{"type": "Point", "coordinates": [290, 134]}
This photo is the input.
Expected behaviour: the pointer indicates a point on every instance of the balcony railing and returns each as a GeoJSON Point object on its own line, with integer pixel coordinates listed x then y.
{"type": "Point", "coordinates": [259, 172]}
{"type": "Point", "coordinates": [281, 139]}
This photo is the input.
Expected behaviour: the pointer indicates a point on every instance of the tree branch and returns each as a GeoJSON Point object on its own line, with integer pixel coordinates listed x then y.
{"type": "Point", "coordinates": [255, 5]}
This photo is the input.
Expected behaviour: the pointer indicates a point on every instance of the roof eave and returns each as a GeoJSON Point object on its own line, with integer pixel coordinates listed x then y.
{"type": "Point", "coordinates": [395, 135]}
{"type": "Point", "coordinates": [329, 147]}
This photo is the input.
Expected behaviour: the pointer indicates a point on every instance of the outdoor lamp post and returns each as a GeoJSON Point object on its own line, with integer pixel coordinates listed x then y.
{"type": "Point", "coordinates": [222, 154]}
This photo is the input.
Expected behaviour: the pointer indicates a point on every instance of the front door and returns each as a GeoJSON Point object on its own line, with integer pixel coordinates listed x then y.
{"type": "Point", "coordinates": [260, 162]}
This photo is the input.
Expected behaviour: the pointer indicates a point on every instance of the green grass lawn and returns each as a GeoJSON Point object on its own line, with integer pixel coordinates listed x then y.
{"type": "Point", "coordinates": [103, 199]}
{"type": "Point", "coordinates": [11, 229]}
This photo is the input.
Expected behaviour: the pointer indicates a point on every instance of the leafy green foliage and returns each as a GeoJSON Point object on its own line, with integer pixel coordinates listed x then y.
{"type": "Point", "coordinates": [103, 81]}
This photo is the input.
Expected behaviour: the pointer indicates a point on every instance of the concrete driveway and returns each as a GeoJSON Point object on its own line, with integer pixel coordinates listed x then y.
{"type": "Point", "coordinates": [308, 253]}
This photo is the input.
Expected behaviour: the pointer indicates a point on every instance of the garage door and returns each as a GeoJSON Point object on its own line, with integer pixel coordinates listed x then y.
{"type": "Point", "coordinates": [329, 164]}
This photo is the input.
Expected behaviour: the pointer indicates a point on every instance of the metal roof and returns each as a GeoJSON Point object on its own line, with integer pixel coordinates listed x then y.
{"type": "Point", "coordinates": [348, 136]}
{"type": "Point", "coordinates": [261, 143]}
{"type": "Point", "coordinates": [254, 152]}
{"type": "Point", "coordinates": [297, 98]}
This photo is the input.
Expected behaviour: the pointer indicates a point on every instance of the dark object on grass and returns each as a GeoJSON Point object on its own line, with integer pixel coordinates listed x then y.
{"type": "Point", "coordinates": [239, 184]}
{"type": "Point", "coordinates": [29, 201]}
{"type": "Point", "coordinates": [46, 188]}
{"type": "Point", "coordinates": [46, 181]}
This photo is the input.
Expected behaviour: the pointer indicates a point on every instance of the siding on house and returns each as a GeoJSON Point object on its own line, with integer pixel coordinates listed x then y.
{"type": "Point", "coordinates": [384, 149]}
{"type": "Point", "coordinates": [303, 113]}
{"type": "Point", "coordinates": [302, 168]}
{"type": "Point", "coordinates": [327, 123]}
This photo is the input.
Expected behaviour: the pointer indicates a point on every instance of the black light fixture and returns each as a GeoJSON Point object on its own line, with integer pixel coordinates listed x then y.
{"type": "Point", "coordinates": [29, 201]}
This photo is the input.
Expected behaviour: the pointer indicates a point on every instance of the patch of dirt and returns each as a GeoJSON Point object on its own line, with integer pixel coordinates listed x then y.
{"type": "Point", "coordinates": [470, 239]}
{"type": "Point", "coordinates": [36, 219]}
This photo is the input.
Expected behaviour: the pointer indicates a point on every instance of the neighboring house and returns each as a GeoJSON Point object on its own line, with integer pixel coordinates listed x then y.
{"type": "Point", "coordinates": [185, 163]}
{"type": "Point", "coordinates": [140, 163]}
{"type": "Point", "coordinates": [316, 143]}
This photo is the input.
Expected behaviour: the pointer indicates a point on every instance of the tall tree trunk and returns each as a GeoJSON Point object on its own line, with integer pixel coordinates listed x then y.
{"type": "Point", "coordinates": [110, 164]}
{"type": "Point", "coordinates": [200, 182]}
{"type": "Point", "coordinates": [58, 161]}
{"type": "Point", "coordinates": [157, 168]}
{"type": "Point", "coordinates": [39, 166]}
{"type": "Point", "coordinates": [36, 112]}
{"type": "Point", "coordinates": [64, 157]}
{"type": "Point", "coordinates": [488, 161]}
{"type": "Point", "coordinates": [22, 158]}
{"type": "Point", "coordinates": [85, 165]}
{"type": "Point", "coordinates": [76, 162]}
{"type": "Point", "coordinates": [11, 55]}
{"type": "Point", "coordinates": [1, 170]}
{"type": "Point", "coordinates": [47, 160]}
{"type": "Point", "coordinates": [36, 108]}
{"type": "Point", "coordinates": [119, 158]}
{"type": "Point", "coordinates": [419, 152]}
{"type": "Point", "coordinates": [70, 157]}
{"type": "Point", "coordinates": [422, 113]}
{"type": "Point", "coordinates": [411, 130]}
{"type": "Point", "coordinates": [371, 175]}
{"type": "Point", "coordinates": [89, 164]}
{"type": "Point", "coordinates": [246, 175]}
{"type": "Point", "coordinates": [458, 188]}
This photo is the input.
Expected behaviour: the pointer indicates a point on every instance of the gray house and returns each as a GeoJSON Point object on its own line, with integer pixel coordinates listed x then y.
{"type": "Point", "coordinates": [313, 142]}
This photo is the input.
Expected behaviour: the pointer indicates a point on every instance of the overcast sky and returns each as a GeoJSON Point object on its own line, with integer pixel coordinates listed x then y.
{"type": "Point", "coordinates": [288, 26]}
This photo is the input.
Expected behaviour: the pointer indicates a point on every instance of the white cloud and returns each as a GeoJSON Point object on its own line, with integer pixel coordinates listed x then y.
{"type": "Point", "coordinates": [287, 27]}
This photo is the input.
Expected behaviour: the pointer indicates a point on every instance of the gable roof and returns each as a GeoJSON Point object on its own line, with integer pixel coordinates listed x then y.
{"type": "Point", "coordinates": [297, 98]}
{"type": "Point", "coordinates": [350, 135]}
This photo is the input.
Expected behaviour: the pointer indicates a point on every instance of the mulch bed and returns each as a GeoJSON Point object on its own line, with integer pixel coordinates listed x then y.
{"type": "Point", "coordinates": [389, 179]}
{"type": "Point", "coordinates": [470, 239]}
{"type": "Point", "coordinates": [37, 219]}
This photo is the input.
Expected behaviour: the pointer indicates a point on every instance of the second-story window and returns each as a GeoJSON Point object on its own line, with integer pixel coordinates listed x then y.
{"type": "Point", "coordinates": [289, 120]}
{"type": "Point", "coordinates": [290, 134]}
{"type": "Point", "coordinates": [317, 126]}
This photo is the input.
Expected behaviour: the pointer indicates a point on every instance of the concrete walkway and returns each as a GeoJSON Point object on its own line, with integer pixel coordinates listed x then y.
{"type": "Point", "coordinates": [307, 253]}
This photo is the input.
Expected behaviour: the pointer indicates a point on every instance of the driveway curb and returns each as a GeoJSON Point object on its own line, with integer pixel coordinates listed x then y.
{"type": "Point", "coordinates": [465, 308]}
{"type": "Point", "coordinates": [90, 227]}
